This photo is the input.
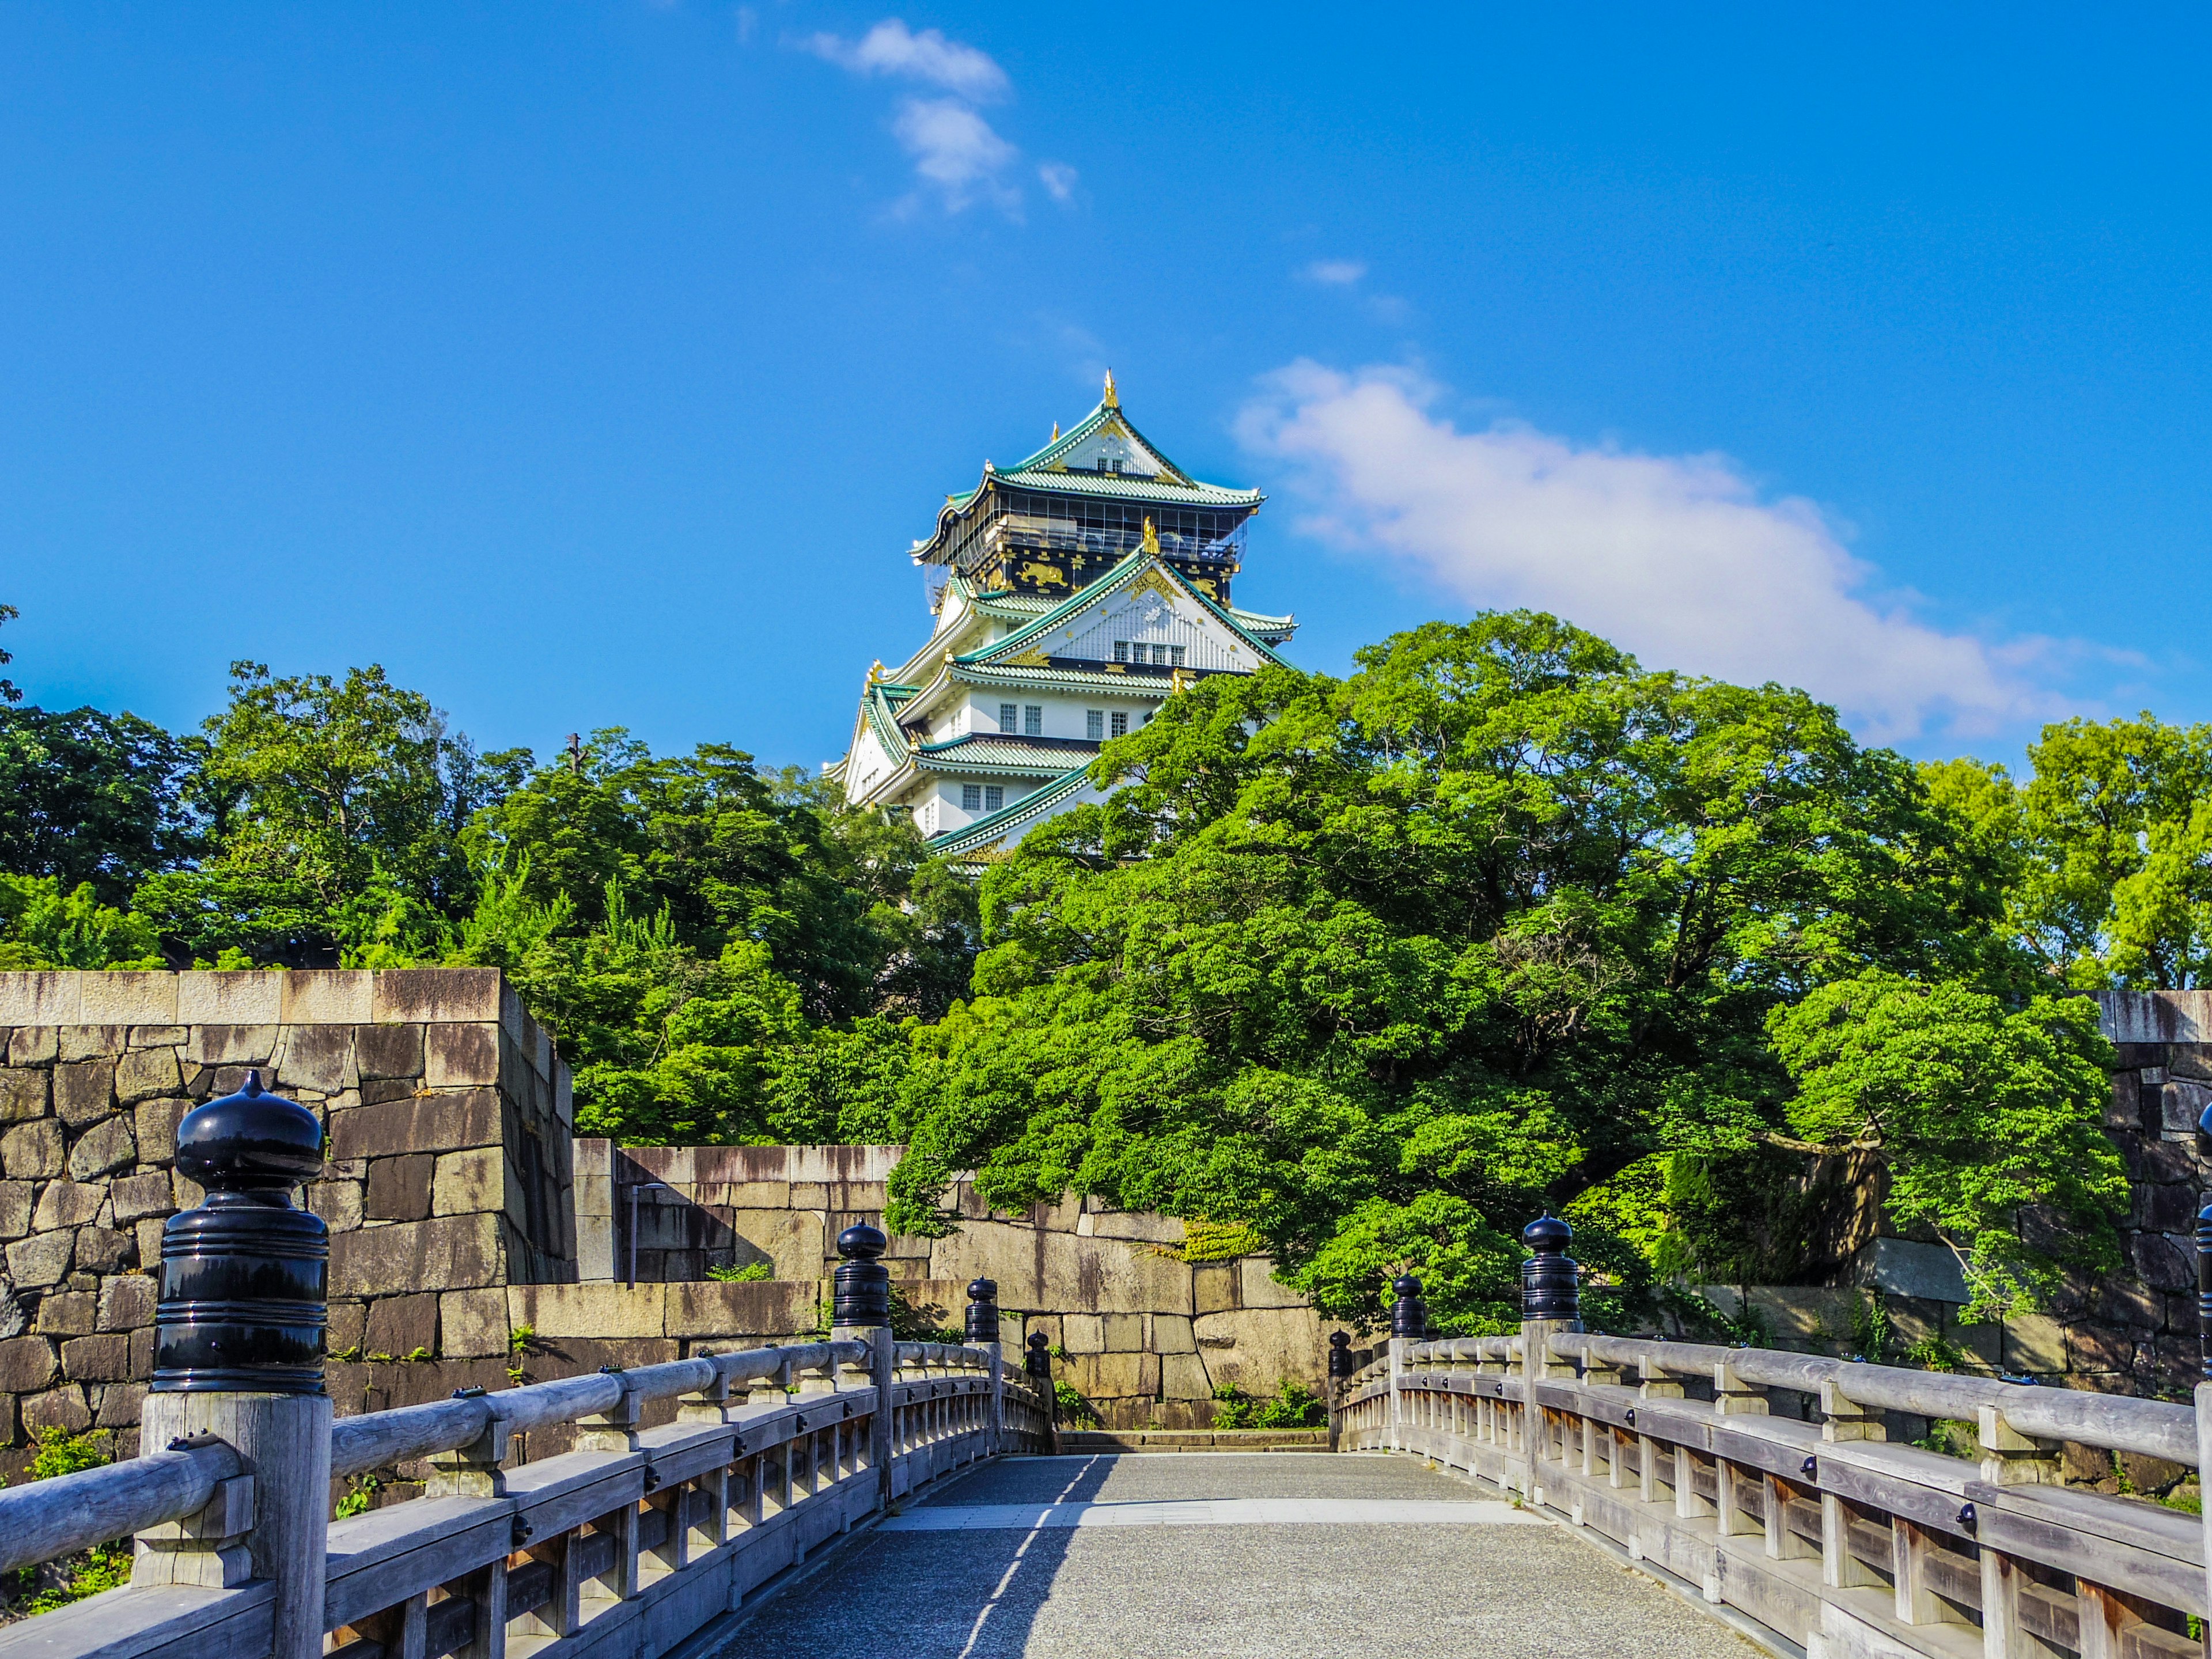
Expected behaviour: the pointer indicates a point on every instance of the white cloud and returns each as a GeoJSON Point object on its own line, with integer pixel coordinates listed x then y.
{"type": "Point", "coordinates": [1336, 273]}
{"type": "Point", "coordinates": [891, 48]}
{"type": "Point", "coordinates": [1678, 558]}
{"type": "Point", "coordinates": [954, 150]}
{"type": "Point", "coordinates": [1058, 179]}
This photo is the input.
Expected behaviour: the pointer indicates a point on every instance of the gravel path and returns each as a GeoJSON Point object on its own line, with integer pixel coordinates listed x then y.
{"type": "Point", "coordinates": [1147, 1588]}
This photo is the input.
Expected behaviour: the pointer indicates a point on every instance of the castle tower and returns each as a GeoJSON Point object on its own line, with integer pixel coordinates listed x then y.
{"type": "Point", "coordinates": [1073, 594]}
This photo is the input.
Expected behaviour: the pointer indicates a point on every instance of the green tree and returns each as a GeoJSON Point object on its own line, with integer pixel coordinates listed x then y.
{"type": "Point", "coordinates": [88, 797]}
{"type": "Point", "coordinates": [10, 691]}
{"type": "Point", "coordinates": [46, 924]}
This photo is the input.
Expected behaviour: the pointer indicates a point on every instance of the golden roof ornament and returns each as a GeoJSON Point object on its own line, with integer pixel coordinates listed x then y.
{"type": "Point", "coordinates": [1152, 542]}
{"type": "Point", "coordinates": [1056, 433]}
{"type": "Point", "coordinates": [1113, 399]}
{"type": "Point", "coordinates": [877, 672]}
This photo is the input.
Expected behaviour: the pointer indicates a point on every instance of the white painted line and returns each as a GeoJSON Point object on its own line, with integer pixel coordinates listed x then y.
{"type": "Point", "coordinates": [1213, 1512]}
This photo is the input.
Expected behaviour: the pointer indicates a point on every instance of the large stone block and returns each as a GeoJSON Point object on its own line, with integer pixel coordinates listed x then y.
{"type": "Point", "coordinates": [477, 1180]}
{"type": "Point", "coordinates": [84, 1091]}
{"type": "Point", "coordinates": [338, 1203]}
{"type": "Point", "coordinates": [1258, 1287]}
{"type": "Point", "coordinates": [61, 1410]}
{"type": "Point", "coordinates": [148, 1235]}
{"type": "Point", "coordinates": [388, 1051]}
{"type": "Point", "coordinates": [1125, 1334]}
{"type": "Point", "coordinates": [758, 1310]}
{"type": "Point", "coordinates": [34, 1045]}
{"type": "Point", "coordinates": [33, 1151]}
{"type": "Point", "coordinates": [595, 1247]}
{"type": "Point", "coordinates": [456, 1055]}
{"type": "Point", "coordinates": [472, 1324]}
{"type": "Point", "coordinates": [231, 1045]}
{"type": "Point", "coordinates": [106, 1147]}
{"type": "Point", "coordinates": [1214, 1286]}
{"type": "Point", "coordinates": [317, 1057]}
{"type": "Point", "coordinates": [22, 1094]}
{"type": "Point", "coordinates": [1083, 1333]}
{"type": "Point", "coordinates": [69, 1204]}
{"type": "Point", "coordinates": [40, 997]}
{"type": "Point", "coordinates": [434, 995]}
{"type": "Point", "coordinates": [792, 1240]}
{"type": "Point", "coordinates": [225, 998]}
{"type": "Point", "coordinates": [145, 1073]}
{"type": "Point", "coordinates": [1141, 1226]}
{"type": "Point", "coordinates": [1182, 1377]}
{"type": "Point", "coordinates": [92, 1042]}
{"type": "Point", "coordinates": [401, 1327]}
{"type": "Point", "coordinates": [156, 1122]}
{"type": "Point", "coordinates": [41, 1259]}
{"type": "Point", "coordinates": [69, 1313]}
{"type": "Point", "coordinates": [128, 997]}
{"type": "Point", "coordinates": [421, 1123]}
{"type": "Point", "coordinates": [325, 996]}
{"type": "Point", "coordinates": [1041, 1269]}
{"type": "Point", "coordinates": [103, 1249]}
{"type": "Point", "coordinates": [127, 1302]}
{"type": "Point", "coordinates": [1106, 1375]}
{"type": "Point", "coordinates": [16, 1208]}
{"type": "Point", "coordinates": [399, 1188]}
{"type": "Point", "coordinates": [1171, 1334]}
{"type": "Point", "coordinates": [96, 1358]}
{"type": "Point", "coordinates": [28, 1364]}
{"type": "Point", "coordinates": [587, 1310]}
{"type": "Point", "coordinates": [121, 1405]}
{"type": "Point", "coordinates": [1256, 1349]}
{"type": "Point", "coordinates": [449, 1253]}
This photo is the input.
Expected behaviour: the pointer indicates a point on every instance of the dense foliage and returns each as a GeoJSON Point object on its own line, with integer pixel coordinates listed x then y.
{"type": "Point", "coordinates": [1366, 971]}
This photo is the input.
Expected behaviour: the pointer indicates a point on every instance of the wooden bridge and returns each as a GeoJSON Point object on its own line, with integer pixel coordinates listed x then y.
{"type": "Point", "coordinates": [1552, 1492]}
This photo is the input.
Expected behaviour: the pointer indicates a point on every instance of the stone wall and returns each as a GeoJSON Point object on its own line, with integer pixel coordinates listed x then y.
{"type": "Point", "coordinates": [1148, 1336]}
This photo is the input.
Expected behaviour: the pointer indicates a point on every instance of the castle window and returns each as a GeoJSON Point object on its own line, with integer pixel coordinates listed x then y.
{"type": "Point", "coordinates": [1174, 655]}
{"type": "Point", "coordinates": [1006, 715]}
{"type": "Point", "coordinates": [1121, 651]}
{"type": "Point", "coordinates": [1160, 656]}
{"type": "Point", "coordinates": [1094, 724]}
{"type": "Point", "coordinates": [1121, 725]}
{"type": "Point", "coordinates": [994, 797]}
{"type": "Point", "coordinates": [971, 797]}
{"type": "Point", "coordinates": [1033, 720]}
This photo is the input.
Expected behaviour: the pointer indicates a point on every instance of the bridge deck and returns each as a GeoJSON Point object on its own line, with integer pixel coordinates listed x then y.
{"type": "Point", "coordinates": [1213, 1554]}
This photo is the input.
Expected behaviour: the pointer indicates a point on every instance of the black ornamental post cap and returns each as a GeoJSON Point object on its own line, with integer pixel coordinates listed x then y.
{"type": "Point", "coordinates": [1409, 1315]}
{"type": "Point", "coordinates": [2204, 1292]}
{"type": "Point", "coordinates": [1551, 1279]}
{"type": "Point", "coordinates": [244, 1277]}
{"type": "Point", "coordinates": [1340, 1356]}
{"type": "Point", "coordinates": [982, 1310]}
{"type": "Point", "coordinates": [862, 1284]}
{"type": "Point", "coordinates": [1038, 1361]}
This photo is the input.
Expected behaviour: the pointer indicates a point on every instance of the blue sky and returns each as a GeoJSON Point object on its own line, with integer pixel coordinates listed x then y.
{"type": "Point", "coordinates": [595, 364]}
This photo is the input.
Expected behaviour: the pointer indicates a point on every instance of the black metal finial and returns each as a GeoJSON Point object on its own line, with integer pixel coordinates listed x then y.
{"type": "Point", "coordinates": [1038, 1361]}
{"type": "Point", "coordinates": [1551, 1279]}
{"type": "Point", "coordinates": [982, 1310]}
{"type": "Point", "coordinates": [863, 1283]}
{"type": "Point", "coordinates": [1409, 1315]}
{"type": "Point", "coordinates": [1339, 1357]}
{"type": "Point", "coordinates": [244, 1277]}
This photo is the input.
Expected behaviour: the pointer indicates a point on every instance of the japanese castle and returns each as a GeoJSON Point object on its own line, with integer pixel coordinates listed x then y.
{"type": "Point", "coordinates": [1073, 594]}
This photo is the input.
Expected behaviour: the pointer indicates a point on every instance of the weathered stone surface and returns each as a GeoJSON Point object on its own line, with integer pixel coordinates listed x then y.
{"type": "Point", "coordinates": [126, 998]}
{"type": "Point", "coordinates": [184, 1193]}
{"type": "Point", "coordinates": [33, 1151]}
{"type": "Point", "coordinates": [106, 1147]}
{"type": "Point", "coordinates": [399, 1188]}
{"type": "Point", "coordinates": [2161, 1263]}
{"type": "Point", "coordinates": [457, 1055]}
{"type": "Point", "coordinates": [136, 1197]}
{"type": "Point", "coordinates": [69, 1204]}
{"type": "Point", "coordinates": [231, 1045]}
{"type": "Point", "coordinates": [16, 1197]}
{"type": "Point", "coordinates": [767, 1309]}
{"type": "Point", "coordinates": [158, 1037]}
{"type": "Point", "coordinates": [146, 1074]}
{"type": "Point", "coordinates": [338, 1202]}
{"type": "Point", "coordinates": [96, 1358]}
{"type": "Point", "coordinates": [230, 998]}
{"type": "Point", "coordinates": [156, 1121]}
{"type": "Point", "coordinates": [34, 1045]}
{"type": "Point", "coordinates": [1171, 1334]}
{"type": "Point", "coordinates": [1103, 1275]}
{"type": "Point", "coordinates": [1143, 1228]}
{"type": "Point", "coordinates": [450, 1253]}
{"type": "Point", "coordinates": [388, 1051]}
{"type": "Point", "coordinates": [1103, 1376]}
{"type": "Point", "coordinates": [1257, 1286]}
{"type": "Point", "coordinates": [28, 1364]}
{"type": "Point", "coordinates": [1267, 1346]}
{"type": "Point", "coordinates": [400, 1325]}
{"type": "Point", "coordinates": [1082, 1333]}
{"type": "Point", "coordinates": [468, 1181]}
{"type": "Point", "coordinates": [92, 1042]}
{"type": "Point", "coordinates": [148, 1235]}
{"type": "Point", "coordinates": [121, 1405]}
{"type": "Point", "coordinates": [793, 1240]}
{"type": "Point", "coordinates": [40, 997]}
{"type": "Point", "coordinates": [1213, 1286]}
{"type": "Point", "coordinates": [423, 1123]}
{"type": "Point", "coordinates": [41, 1259]}
{"type": "Point", "coordinates": [342, 1339]}
{"type": "Point", "coordinates": [592, 1310]}
{"type": "Point", "coordinates": [326, 996]}
{"type": "Point", "coordinates": [127, 1302]}
{"type": "Point", "coordinates": [1182, 1377]}
{"type": "Point", "coordinates": [316, 1058]}
{"type": "Point", "coordinates": [62, 1409]}
{"type": "Point", "coordinates": [434, 995]}
{"type": "Point", "coordinates": [22, 1093]}
{"type": "Point", "coordinates": [472, 1324]}
{"type": "Point", "coordinates": [102, 1250]}
{"type": "Point", "coordinates": [84, 1091]}
{"type": "Point", "coordinates": [69, 1313]}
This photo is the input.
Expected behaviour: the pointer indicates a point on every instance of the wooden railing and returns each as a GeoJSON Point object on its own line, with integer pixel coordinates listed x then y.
{"type": "Point", "coordinates": [1815, 1528]}
{"type": "Point", "coordinates": [635, 1540]}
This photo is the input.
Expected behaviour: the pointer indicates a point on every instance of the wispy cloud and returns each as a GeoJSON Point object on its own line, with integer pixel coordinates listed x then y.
{"type": "Point", "coordinates": [1335, 273]}
{"type": "Point", "coordinates": [959, 156]}
{"type": "Point", "coordinates": [1679, 558]}
{"type": "Point", "coordinates": [891, 49]}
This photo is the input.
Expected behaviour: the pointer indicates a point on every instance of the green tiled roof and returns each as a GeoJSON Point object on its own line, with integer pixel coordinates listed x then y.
{"type": "Point", "coordinates": [1119, 574]}
{"type": "Point", "coordinates": [986, 831]}
{"type": "Point", "coordinates": [981, 751]}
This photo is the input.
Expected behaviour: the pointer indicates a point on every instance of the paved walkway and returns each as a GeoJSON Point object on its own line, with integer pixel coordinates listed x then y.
{"type": "Point", "coordinates": [1217, 1555]}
